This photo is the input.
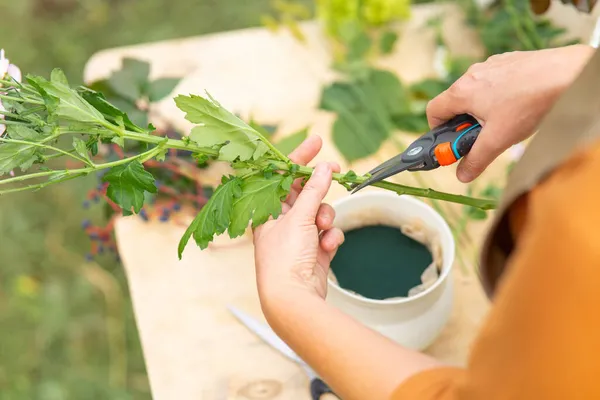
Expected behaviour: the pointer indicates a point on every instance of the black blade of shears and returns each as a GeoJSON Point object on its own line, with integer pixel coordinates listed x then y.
{"type": "Point", "coordinates": [391, 167]}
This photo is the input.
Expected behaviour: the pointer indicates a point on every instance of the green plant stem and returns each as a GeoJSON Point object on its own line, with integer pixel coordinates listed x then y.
{"type": "Point", "coordinates": [11, 115]}
{"type": "Point", "coordinates": [66, 153]}
{"type": "Point", "coordinates": [282, 165]}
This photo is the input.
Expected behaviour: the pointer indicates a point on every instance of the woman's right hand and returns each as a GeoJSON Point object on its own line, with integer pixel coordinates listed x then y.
{"type": "Point", "coordinates": [509, 94]}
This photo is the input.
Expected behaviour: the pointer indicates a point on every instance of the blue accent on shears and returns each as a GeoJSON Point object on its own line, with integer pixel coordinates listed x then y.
{"type": "Point", "coordinates": [454, 150]}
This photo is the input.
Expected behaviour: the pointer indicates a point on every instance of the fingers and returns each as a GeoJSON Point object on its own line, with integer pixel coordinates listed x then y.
{"type": "Point", "coordinates": [307, 150]}
{"type": "Point", "coordinates": [310, 198]}
{"type": "Point", "coordinates": [485, 150]}
{"type": "Point", "coordinates": [331, 240]}
{"type": "Point", "coordinates": [442, 108]}
{"type": "Point", "coordinates": [325, 217]}
{"type": "Point", "coordinates": [297, 185]}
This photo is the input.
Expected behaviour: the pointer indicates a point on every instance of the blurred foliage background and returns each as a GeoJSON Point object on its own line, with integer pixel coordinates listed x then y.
{"type": "Point", "coordinates": [67, 325]}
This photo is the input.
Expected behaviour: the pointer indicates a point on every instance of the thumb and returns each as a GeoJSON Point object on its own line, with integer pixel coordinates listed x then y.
{"type": "Point", "coordinates": [312, 195]}
{"type": "Point", "coordinates": [486, 149]}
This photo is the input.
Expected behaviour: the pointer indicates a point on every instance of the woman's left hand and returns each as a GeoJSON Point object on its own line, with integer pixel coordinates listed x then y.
{"type": "Point", "coordinates": [293, 252]}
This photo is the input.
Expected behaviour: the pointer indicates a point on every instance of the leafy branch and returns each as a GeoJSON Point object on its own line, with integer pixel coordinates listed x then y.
{"type": "Point", "coordinates": [43, 114]}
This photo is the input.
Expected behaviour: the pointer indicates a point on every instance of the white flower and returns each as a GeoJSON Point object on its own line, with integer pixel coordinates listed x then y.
{"type": "Point", "coordinates": [6, 68]}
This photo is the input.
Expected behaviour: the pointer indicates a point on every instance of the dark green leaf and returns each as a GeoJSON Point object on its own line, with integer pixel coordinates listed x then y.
{"type": "Point", "coordinates": [428, 88]}
{"type": "Point", "coordinates": [388, 92]}
{"type": "Point", "coordinates": [71, 106]}
{"type": "Point", "coordinates": [416, 123]}
{"type": "Point", "coordinates": [109, 111]}
{"type": "Point", "coordinates": [127, 185]}
{"type": "Point", "coordinates": [161, 88]}
{"type": "Point", "coordinates": [356, 137]}
{"type": "Point", "coordinates": [476, 213]}
{"type": "Point", "coordinates": [260, 199]}
{"type": "Point", "coordinates": [131, 81]}
{"type": "Point", "coordinates": [290, 142]}
{"type": "Point", "coordinates": [359, 46]}
{"type": "Point", "coordinates": [492, 191]}
{"type": "Point", "coordinates": [215, 216]}
{"type": "Point", "coordinates": [387, 41]}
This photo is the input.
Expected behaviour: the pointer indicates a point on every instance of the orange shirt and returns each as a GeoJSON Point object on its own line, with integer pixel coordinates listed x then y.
{"type": "Point", "coordinates": [541, 339]}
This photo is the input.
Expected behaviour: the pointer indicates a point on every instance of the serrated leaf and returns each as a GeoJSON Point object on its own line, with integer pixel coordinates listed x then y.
{"type": "Point", "coordinates": [161, 88]}
{"type": "Point", "coordinates": [71, 106]}
{"type": "Point", "coordinates": [428, 89]}
{"type": "Point", "coordinates": [108, 110]}
{"type": "Point", "coordinates": [58, 76]}
{"type": "Point", "coordinates": [13, 155]}
{"type": "Point", "coordinates": [127, 185]}
{"type": "Point", "coordinates": [387, 41]}
{"type": "Point", "coordinates": [290, 142]}
{"type": "Point", "coordinates": [22, 132]}
{"type": "Point", "coordinates": [387, 91]}
{"type": "Point", "coordinates": [215, 216]}
{"type": "Point", "coordinates": [221, 127]}
{"type": "Point", "coordinates": [81, 149]}
{"type": "Point", "coordinates": [260, 199]}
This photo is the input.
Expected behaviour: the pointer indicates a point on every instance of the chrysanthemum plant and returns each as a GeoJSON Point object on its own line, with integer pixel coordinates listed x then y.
{"type": "Point", "coordinates": [48, 119]}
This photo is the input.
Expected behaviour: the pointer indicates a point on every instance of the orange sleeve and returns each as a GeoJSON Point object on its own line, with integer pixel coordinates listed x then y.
{"type": "Point", "coordinates": [541, 339]}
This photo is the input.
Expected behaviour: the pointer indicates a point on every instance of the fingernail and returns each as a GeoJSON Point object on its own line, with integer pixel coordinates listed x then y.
{"type": "Point", "coordinates": [321, 169]}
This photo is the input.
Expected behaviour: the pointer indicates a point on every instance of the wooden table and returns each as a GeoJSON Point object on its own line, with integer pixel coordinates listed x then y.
{"type": "Point", "coordinates": [194, 349]}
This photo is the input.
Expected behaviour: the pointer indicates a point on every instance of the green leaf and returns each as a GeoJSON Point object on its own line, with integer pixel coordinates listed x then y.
{"type": "Point", "coordinates": [260, 199]}
{"type": "Point", "coordinates": [22, 132]}
{"type": "Point", "coordinates": [58, 76]}
{"type": "Point", "coordinates": [81, 149]}
{"type": "Point", "coordinates": [219, 127]}
{"type": "Point", "coordinates": [131, 81]}
{"type": "Point", "coordinates": [416, 123]}
{"type": "Point", "coordinates": [215, 216]}
{"type": "Point", "coordinates": [127, 185]}
{"type": "Point", "coordinates": [387, 41]}
{"type": "Point", "coordinates": [359, 46]}
{"type": "Point", "coordinates": [476, 213]}
{"type": "Point", "coordinates": [161, 88]}
{"type": "Point", "coordinates": [119, 141]}
{"type": "Point", "coordinates": [388, 91]}
{"type": "Point", "coordinates": [71, 106]}
{"type": "Point", "coordinates": [428, 89]}
{"type": "Point", "coordinates": [161, 156]}
{"type": "Point", "coordinates": [290, 142]}
{"type": "Point", "coordinates": [109, 111]}
{"type": "Point", "coordinates": [13, 155]}
{"type": "Point", "coordinates": [492, 191]}
{"type": "Point", "coordinates": [356, 137]}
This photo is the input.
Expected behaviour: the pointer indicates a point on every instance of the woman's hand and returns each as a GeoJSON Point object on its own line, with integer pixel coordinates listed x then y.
{"type": "Point", "coordinates": [293, 252]}
{"type": "Point", "coordinates": [509, 94]}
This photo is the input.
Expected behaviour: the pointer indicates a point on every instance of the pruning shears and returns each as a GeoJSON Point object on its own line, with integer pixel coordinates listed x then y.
{"type": "Point", "coordinates": [443, 145]}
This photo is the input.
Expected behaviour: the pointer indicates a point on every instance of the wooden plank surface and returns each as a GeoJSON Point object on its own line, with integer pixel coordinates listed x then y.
{"type": "Point", "coordinates": [193, 348]}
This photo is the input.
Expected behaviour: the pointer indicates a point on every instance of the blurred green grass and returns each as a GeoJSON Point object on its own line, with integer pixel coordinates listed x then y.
{"type": "Point", "coordinates": [67, 329]}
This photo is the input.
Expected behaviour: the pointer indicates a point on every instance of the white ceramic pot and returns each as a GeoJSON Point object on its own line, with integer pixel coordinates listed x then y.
{"type": "Point", "coordinates": [413, 322]}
